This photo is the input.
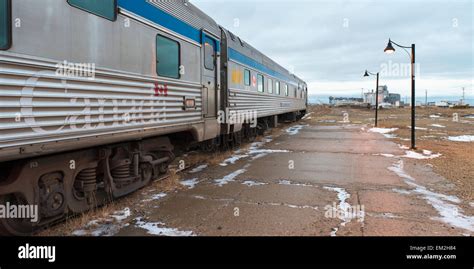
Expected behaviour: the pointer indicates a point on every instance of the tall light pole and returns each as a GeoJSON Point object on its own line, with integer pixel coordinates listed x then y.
{"type": "Point", "coordinates": [367, 73]}
{"type": "Point", "coordinates": [390, 49]}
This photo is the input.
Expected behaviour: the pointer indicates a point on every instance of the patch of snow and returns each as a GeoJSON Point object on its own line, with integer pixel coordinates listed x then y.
{"type": "Point", "coordinates": [438, 125]}
{"type": "Point", "coordinates": [252, 183]}
{"type": "Point", "coordinates": [471, 204]}
{"type": "Point", "coordinates": [435, 116]}
{"type": "Point", "coordinates": [403, 146]}
{"type": "Point", "coordinates": [415, 155]}
{"type": "Point", "coordinates": [105, 226]}
{"type": "Point", "coordinates": [462, 138]}
{"type": "Point", "coordinates": [293, 130]}
{"type": "Point", "coordinates": [287, 182]}
{"type": "Point", "coordinates": [259, 151]}
{"type": "Point", "coordinates": [449, 213]}
{"type": "Point", "coordinates": [155, 197]}
{"type": "Point", "coordinates": [121, 215]}
{"type": "Point", "coordinates": [346, 214]}
{"type": "Point", "coordinates": [190, 183]}
{"type": "Point", "coordinates": [198, 169]}
{"type": "Point", "coordinates": [401, 191]}
{"type": "Point", "coordinates": [157, 228]}
{"type": "Point", "coordinates": [385, 155]}
{"type": "Point", "coordinates": [233, 159]}
{"type": "Point", "coordinates": [382, 130]}
{"type": "Point", "coordinates": [418, 128]}
{"type": "Point", "coordinates": [327, 121]}
{"type": "Point", "coordinates": [199, 197]}
{"type": "Point", "coordinates": [230, 177]}
{"type": "Point", "coordinates": [307, 116]}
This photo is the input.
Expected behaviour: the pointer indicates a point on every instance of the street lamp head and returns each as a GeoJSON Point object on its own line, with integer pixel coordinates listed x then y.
{"type": "Point", "coordinates": [389, 49]}
{"type": "Point", "coordinates": [366, 73]}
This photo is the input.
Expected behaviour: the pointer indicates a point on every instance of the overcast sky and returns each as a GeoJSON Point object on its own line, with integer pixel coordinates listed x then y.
{"type": "Point", "coordinates": [329, 43]}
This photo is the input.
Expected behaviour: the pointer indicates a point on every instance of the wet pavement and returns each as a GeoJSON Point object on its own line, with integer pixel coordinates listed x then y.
{"type": "Point", "coordinates": [310, 181]}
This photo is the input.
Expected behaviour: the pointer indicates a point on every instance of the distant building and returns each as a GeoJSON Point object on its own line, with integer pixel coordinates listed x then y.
{"type": "Point", "coordinates": [384, 97]}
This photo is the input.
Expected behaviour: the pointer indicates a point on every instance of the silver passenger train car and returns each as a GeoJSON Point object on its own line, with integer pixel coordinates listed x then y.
{"type": "Point", "coordinates": [95, 96]}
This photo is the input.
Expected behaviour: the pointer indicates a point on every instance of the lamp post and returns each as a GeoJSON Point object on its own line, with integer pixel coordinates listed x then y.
{"type": "Point", "coordinates": [389, 50]}
{"type": "Point", "coordinates": [367, 73]}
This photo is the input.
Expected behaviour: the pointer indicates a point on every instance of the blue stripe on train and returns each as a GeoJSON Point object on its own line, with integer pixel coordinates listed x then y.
{"type": "Point", "coordinates": [160, 17]}
{"type": "Point", "coordinates": [239, 57]}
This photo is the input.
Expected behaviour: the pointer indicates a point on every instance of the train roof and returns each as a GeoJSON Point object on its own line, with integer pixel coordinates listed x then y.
{"type": "Point", "coordinates": [235, 43]}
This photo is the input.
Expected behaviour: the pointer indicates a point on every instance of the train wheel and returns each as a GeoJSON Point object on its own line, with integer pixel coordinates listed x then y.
{"type": "Point", "coordinates": [15, 226]}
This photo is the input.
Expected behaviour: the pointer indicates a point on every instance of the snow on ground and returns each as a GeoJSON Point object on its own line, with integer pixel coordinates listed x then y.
{"type": "Point", "coordinates": [403, 146]}
{"type": "Point", "coordinates": [435, 116]}
{"type": "Point", "coordinates": [438, 125]}
{"type": "Point", "coordinates": [252, 183]}
{"type": "Point", "coordinates": [462, 138]}
{"type": "Point", "coordinates": [228, 178]}
{"type": "Point", "coordinates": [418, 128]}
{"type": "Point", "coordinates": [287, 182]}
{"type": "Point", "coordinates": [382, 130]}
{"type": "Point", "coordinates": [345, 211]}
{"type": "Point", "coordinates": [155, 197]}
{"type": "Point", "coordinates": [198, 169]}
{"type": "Point", "coordinates": [385, 131]}
{"type": "Point", "coordinates": [415, 155]}
{"type": "Point", "coordinates": [190, 183]}
{"type": "Point", "coordinates": [293, 130]}
{"type": "Point", "coordinates": [307, 116]}
{"type": "Point", "coordinates": [449, 212]}
{"type": "Point", "coordinates": [157, 228]}
{"type": "Point", "coordinates": [107, 226]}
{"type": "Point", "coordinates": [388, 155]}
{"type": "Point", "coordinates": [233, 159]}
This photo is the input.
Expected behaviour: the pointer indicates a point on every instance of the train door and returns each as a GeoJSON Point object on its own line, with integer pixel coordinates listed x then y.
{"type": "Point", "coordinates": [209, 76]}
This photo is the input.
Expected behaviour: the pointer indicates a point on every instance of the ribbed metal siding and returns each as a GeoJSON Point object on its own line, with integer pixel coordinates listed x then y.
{"type": "Point", "coordinates": [187, 13]}
{"type": "Point", "coordinates": [59, 109]}
{"type": "Point", "coordinates": [264, 104]}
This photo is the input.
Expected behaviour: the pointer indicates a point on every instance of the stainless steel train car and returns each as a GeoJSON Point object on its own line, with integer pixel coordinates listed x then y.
{"type": "Point", "coordinates": [95, 96]}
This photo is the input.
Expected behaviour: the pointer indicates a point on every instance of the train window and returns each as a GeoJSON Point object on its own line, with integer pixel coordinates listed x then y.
{"type": "Point", "coordinates": [247, 77]}
{"type": "Point", "coordinates": [270, 86]}
{"type": "Point", "coordinates": [5, 24]}
{"type": "Point", "coordinates": [167, 57]}
{"type": "Point", "coordinates": [260, 83]}
{"type": "Point", "coordinates": [286, 89]}
{"type": "Point", "coordinates": [277, 87]}
{"type": "Point", "coordinates": [208, 55]}
{"type": "Point", "coordinates": [295, 94]}
{"type": "Point", "coordinates": [103, 8]}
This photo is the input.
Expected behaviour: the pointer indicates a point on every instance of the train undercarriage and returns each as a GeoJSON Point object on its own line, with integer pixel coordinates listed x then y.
{"type": "Point", "coordinates": [68, 184]}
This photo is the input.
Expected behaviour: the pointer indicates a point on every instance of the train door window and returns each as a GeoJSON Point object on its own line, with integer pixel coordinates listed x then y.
{"type": "Point", "coordinates": [260, 83]}
{"type": "Point", "coordinates": [167, 57]}
{"type": "Point", "coordinates": [247, 77]}
{"type": "Point", "coordinates": [295, 95]}
{"type": "Point", "coordinates": [209, 54]}
{"type": "Point", "coordinates": [270, 86]}
{"type": "Point", "coordinates": [5, 24]}
{"type": "Point", "coordinates": [277, 87]}
{"type": "Point", "coordinates": [286, 89]}
{"type": "Point", "coordinates": [103, 8]}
